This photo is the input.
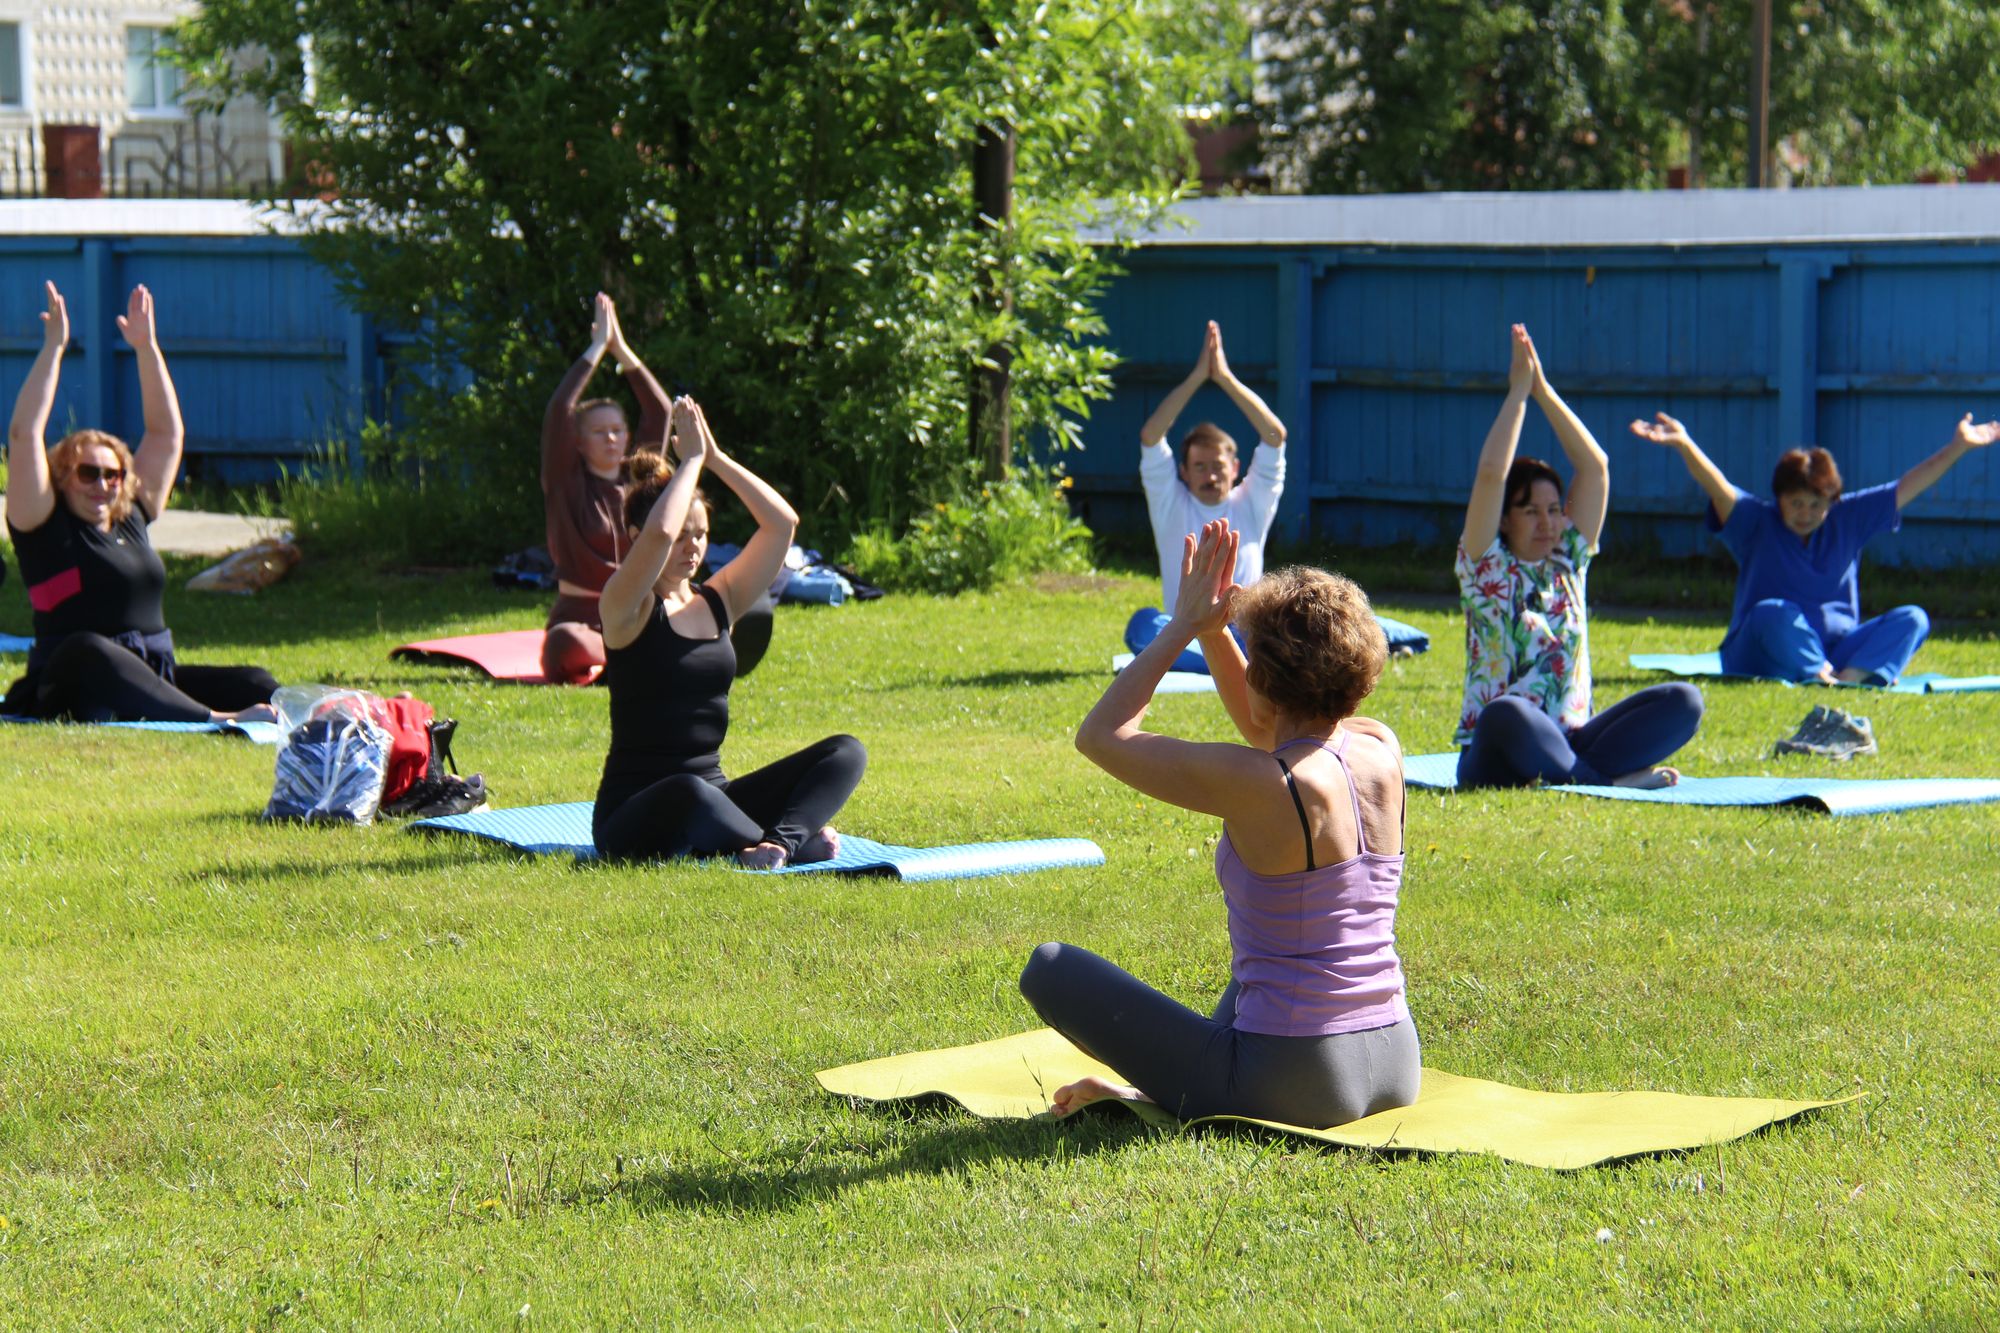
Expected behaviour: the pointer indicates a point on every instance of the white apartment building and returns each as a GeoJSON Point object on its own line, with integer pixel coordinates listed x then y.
{"type": "Point", "coordinates": [94, 65]}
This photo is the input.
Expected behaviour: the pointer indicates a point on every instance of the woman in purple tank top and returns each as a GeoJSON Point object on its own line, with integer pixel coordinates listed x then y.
{"type": "Point", "coordinates": [1313, 1028]}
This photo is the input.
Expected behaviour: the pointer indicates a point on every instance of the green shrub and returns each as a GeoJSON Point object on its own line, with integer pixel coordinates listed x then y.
{"type": "Point", "coordinates": [1002, 531]}
{"type": "Point", "coordinates": [400, 510]}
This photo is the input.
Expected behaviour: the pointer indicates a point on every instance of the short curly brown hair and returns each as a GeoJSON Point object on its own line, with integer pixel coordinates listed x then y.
{"type": "Point", "coordinates": [1315, 647]}
{"type": "Point", "coordinates": [1806, 470]}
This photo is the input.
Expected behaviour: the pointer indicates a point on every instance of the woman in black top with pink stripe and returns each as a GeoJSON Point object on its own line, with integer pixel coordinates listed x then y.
{"type": "Point", "coordinates": [669, 665]}
{"type": "Point", "coordinates": [78, 516]}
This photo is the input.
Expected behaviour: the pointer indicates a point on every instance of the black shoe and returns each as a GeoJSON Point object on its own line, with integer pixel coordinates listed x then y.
{"type": "Point", "coordinates": [431, 797]}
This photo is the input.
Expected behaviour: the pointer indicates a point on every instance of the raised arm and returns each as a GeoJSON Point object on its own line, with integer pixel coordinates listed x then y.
{"type": "Point", "coordinates": [1269, 429]}
{"type": "Point", "coordinates": [1925, 474]}
{"type": "Point", "coordinates": [1489, 483]}
{"type": "Point", "coordinates": [654, 407]}
{"type": "Point", "coordinates": [559, 449]}
{"type": "Point", "coordinates": [1664, 430]}
{"type": "Point", "coordinates": [1170, 408]}
{"type": "Point", "coordinates": [1590, 491]}
{"type": "Point", "coordinates": [31, 494]}
{"type": "Point", "coordinates": [627, 598]}
{"type": "Point", "coordinates": [1217, 779]}
{"type": "Point", "coordinates": [158, 461]}
{"type": "Point", "coordinates": [743, 580]}
{"type": "Point", "coordinates": [1231, 673]}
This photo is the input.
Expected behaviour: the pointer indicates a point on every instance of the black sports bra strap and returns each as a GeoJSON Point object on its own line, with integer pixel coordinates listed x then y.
{"type": "Point", "coordinates": [1300, 806]}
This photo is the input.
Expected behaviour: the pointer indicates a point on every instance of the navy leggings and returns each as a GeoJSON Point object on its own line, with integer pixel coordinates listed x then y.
{"type": "Point", "coordinates": [1195, 1065]}
{"type": "Point", "coordinates": [1515, 743]}
{"type": "Point", "coordinates": [688, 815]}
{"type": "Point", "coordinates": [92, 679]}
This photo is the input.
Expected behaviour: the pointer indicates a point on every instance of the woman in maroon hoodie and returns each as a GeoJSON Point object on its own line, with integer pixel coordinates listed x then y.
{"type": "Point", "coordinates": [584, 442]}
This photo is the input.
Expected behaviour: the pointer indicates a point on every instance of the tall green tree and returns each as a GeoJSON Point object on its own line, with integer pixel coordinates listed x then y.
{"type": "Point", "coordinates": [1405, 95]}
{"type": "Point", "coordinates": [777, 194]}
{"type": "Point", "coordinates": [1396, 95]}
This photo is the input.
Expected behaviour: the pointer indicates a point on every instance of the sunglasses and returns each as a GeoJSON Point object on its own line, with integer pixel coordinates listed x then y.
{"type": "Point", "coordinates": [91, 473]}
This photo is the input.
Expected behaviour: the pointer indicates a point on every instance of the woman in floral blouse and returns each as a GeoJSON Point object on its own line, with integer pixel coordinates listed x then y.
{"type": "Point", "coordinates": [1522, 561]}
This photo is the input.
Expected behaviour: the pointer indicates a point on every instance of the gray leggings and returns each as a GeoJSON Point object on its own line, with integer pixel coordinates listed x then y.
{"type": "Point", "coordinates": [1195, 1066]}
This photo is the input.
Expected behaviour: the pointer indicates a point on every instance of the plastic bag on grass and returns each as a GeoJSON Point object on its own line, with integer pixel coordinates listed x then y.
{"type": "Point", "coordinates": [249, 569]}
{"type": "Point", "coordinates": [334, 759]}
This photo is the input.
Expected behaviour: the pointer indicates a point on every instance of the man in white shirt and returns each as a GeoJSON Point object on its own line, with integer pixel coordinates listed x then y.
{"type": "Point", "coordinates": [1204, 486]}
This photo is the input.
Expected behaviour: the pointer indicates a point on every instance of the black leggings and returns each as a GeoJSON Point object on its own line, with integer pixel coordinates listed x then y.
{"type": "Point", "coordinates": [785, 802]}
{"type": "Point", "coordinates": [89, 678]}
{"type": "Point", "coordinates": [1196, 1065]}
{"type": "Point", "coordinates": [1516, 744]}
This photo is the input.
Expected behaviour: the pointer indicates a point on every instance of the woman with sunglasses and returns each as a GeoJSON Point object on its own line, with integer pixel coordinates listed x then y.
{"type": "Point", "coordinates": [78, 515]}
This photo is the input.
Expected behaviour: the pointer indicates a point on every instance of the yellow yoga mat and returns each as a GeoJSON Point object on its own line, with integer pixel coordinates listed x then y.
{"type": "Point", "coordinates": [1014, 1077]}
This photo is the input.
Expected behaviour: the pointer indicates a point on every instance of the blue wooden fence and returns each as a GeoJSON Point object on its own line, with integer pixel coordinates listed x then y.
{"type": "Point", "coordinates": [270, 364]}
{"type": "Point", "coordinates": [1387, 365]}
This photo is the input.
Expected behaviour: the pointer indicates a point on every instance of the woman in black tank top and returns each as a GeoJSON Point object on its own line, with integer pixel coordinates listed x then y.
{"type": "Point", "coordinates": [669, 665]}
{"type": "Point", "coordinates": [78, 516]}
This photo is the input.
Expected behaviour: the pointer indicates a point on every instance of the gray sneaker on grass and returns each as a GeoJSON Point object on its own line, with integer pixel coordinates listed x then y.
{"type": "Point", "coordinates": [1832, 733]}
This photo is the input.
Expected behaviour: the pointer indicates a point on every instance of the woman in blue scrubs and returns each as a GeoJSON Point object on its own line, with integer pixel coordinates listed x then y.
{"type": "Point", "coordinates": [1798, 607]}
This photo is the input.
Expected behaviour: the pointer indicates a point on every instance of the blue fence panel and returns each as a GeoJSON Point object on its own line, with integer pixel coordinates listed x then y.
{"type": "Point", "coordinates": [269, 363]}
{"type": "Point", "coordinates": [1388, 364]}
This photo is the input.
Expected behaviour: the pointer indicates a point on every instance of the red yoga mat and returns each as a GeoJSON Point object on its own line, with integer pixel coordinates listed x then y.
{"type": "Point", "coordinates": [513, 655]}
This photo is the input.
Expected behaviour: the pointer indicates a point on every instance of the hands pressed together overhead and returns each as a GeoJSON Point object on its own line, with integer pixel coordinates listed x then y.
{"type": "Point", "coordinates": [1208, 585]}
{"type": "Point", "coordinates": [690, 439]}
{"type": "Point", "coordinates": [1524, 366]}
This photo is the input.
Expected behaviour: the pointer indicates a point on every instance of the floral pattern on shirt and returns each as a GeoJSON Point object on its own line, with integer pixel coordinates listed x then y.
{"type": "Point", "coordinates": [1526, 631]}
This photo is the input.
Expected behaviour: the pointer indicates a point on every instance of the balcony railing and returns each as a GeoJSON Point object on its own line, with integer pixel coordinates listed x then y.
{"type": "Point", "coordinates": [199, 157]}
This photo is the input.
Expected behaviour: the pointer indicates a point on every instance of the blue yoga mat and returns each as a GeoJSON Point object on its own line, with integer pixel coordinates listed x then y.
{"type": "Point", "coordinates": [1404, 636]}
{"type": "Point", "coordinates": [1174, 682]}
{"type": "Point", "coordinates": [14, 643]}
{"type": "Point", "coordinates": [263, 733]}
{"type": "Point", "coordinates": [1710, 664]}
{"type": "Point", "coordinates": [551, 829]}
{"type": "Point", "coordinates": [1829, 796]}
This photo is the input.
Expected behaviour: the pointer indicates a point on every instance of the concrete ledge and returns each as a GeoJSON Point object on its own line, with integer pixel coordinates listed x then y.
{"type": "Point", "coordinates": [192, 532]}
{"type": "Point", "coordinates": [1589, 218]}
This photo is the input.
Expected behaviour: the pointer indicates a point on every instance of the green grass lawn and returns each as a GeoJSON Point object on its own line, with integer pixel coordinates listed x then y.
{"type": "Point", "coordinates": [285, 1076]}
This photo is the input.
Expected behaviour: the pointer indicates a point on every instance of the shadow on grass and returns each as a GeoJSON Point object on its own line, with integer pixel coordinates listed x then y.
{"type": "Point", "coordinates": [1007, 680]}
{"type": "Point", "coordinates": [426, 859]}
{"type": "Point", "coordinates": [939, 1139]}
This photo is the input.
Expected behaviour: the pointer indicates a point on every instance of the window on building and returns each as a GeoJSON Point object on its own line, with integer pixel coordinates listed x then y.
{"type": "Point", "coordinates": [151, 83]}
{"type": "Point", "coordinates": [12, 84]}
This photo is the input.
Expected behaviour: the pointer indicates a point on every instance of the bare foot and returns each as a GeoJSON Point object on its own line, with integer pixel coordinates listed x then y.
{"type": "Point", "coordinates": [1826, 674]}
{"type": "Point", "coordinates": [1072, 1097]}
{"type": "Point", "coordinates": [1649, 779]}
{"type": "Point", "coordinates": [764, 856]}
{"type": "Point", "coordinates": [254, 713]}
{"type": "Point", "coordinates": [821, 846]}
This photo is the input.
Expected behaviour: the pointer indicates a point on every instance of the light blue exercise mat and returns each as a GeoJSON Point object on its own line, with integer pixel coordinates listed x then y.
{"type": "Point", "coordinates": [1829, 796]}
{"type": "Point", "coordinates": [1404, 637]}
{"type": "Point", "coordinates": [1174, 682]}
{"type": "Point", "coordinates": [263, 733]}
{"type": "Point", "coordinates": [552, 829]}
{"type": "Point", "coordinates": [14, 643]}
{"type": "Point", "coordinates": [1710, 664]}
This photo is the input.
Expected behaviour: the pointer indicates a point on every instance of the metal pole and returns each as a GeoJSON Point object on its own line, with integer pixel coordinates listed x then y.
{"type": "Point", "coordinates": [993, 190]}
{"type": "Point", "coordinates": [1760, 95]}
